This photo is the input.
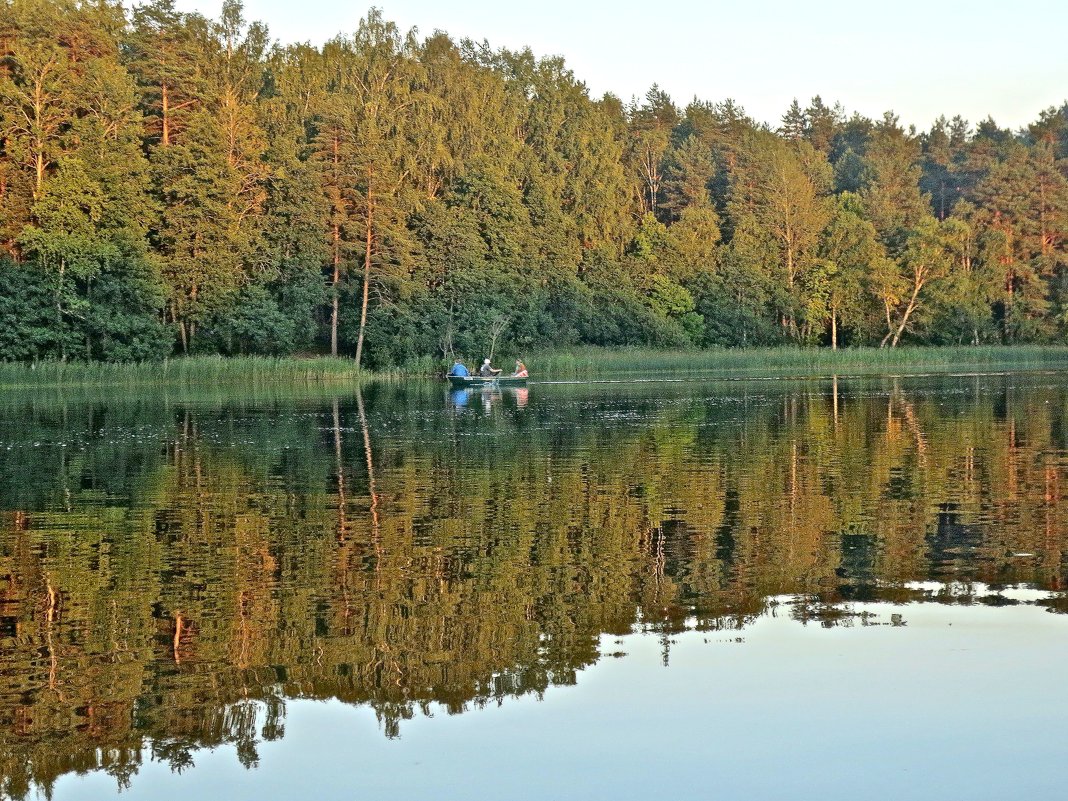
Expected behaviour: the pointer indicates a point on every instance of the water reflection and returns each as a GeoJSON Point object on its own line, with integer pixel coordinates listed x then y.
{"type": "Point", "coordinates": [489, 397]}
{"type": "Point", "coordinates": [173, 573]}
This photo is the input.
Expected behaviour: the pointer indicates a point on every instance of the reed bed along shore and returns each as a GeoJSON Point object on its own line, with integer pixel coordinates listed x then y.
{"type": "Point", "coordinates": [578, 363]}
{"type": "Point", "coordinates": [191, 371]}
{"type": "Point", "coordinates": [558, 365]}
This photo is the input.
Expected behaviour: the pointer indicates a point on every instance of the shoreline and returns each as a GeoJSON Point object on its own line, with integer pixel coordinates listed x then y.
{"type": "Point", "coordinates": [561, 365]}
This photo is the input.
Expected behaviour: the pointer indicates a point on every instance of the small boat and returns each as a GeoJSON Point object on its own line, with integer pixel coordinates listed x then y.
{"type": "Point", "coordinates": [494, 381]}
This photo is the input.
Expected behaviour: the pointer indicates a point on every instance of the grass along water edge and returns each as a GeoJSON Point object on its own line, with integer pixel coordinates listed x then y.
{"type": "Point", "coordinates": [550, 365]}
{"type": "Point", "coordinates": [578, 363]}
{"type": "Point", "coordinates": [191, 371]}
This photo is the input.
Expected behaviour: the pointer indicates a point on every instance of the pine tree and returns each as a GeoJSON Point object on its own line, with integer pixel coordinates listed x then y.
{"type": "Point", "coordinates": [166, 54]}
{"type": "Point", "coordinates": [1020, 219]}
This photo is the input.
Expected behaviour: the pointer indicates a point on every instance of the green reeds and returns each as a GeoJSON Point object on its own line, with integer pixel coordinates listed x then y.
{"type": "Point", "coordinates": [193, 371]}
{"type": "Point", "coordinates": [564, 364]}
{"type": "Point", "coordinates": [788, 361]}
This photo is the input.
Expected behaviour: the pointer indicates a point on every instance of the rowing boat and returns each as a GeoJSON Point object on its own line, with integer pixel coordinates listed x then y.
{"type": "Point", "coordinates": [494, 381]}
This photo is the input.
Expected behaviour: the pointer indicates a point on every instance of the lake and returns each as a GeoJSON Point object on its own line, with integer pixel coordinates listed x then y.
{"type": "Point", "coordinates": [768, 589]}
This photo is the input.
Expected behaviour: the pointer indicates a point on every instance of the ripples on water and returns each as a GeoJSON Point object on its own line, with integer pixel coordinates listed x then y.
{"type": "Point", "coordinates": [817, 564]}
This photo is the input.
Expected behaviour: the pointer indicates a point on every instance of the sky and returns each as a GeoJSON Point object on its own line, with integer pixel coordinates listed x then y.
{"type": "Point", "coordinates": [918, 59]}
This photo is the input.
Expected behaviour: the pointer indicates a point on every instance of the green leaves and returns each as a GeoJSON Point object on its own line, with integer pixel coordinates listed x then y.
{"type": "Point", "coordinates": [379, 195]}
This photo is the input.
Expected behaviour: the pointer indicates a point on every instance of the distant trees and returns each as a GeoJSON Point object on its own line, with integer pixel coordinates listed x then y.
{"type": "Point", "coordinates": [170, 183]}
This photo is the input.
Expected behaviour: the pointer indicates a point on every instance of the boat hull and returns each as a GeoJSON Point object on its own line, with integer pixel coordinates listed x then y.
{"type": "Point", "coordinates": [461, 381]}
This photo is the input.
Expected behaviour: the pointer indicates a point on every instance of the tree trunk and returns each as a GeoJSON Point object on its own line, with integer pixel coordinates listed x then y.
{"type": "Point", "coordinates": [834, 330]}
{"type": "Point", "coordinates": [366, 273]}
{"type": "Point", "coordinates": [334, 284]}
{"type": "Point", "coordinates": [1006, 323]}
{"type": "Point", "coordinates": [916, 287]}
{"type": "Point", "coordinates": [59, 310]}
{"type": "Point", "coordinates": [337, 254]}
{"type": "Point", "coordinates": [40, 102]}
{"type": "Point", "coordinates": [181, 329]}
{"type": "Point", "coordinates": [39, 169]}
{"type": "Point", "coordinates": [889, 324]}
{"type": "Point", "coordinates": [165, 137]}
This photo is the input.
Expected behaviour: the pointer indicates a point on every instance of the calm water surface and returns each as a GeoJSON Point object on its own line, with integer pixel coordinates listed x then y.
{"type": "Point", "coordinates": [750, 589]}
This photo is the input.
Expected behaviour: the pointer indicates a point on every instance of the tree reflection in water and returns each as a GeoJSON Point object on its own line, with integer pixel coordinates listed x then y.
{"type": "Point", "coordinates": [171, 571]}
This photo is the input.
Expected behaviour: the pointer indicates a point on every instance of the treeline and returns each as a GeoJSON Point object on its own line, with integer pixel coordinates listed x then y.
{"type": "Point", "coordinates": [173, 184]}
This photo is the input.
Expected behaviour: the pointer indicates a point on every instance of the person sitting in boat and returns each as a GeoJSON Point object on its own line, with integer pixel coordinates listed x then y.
{"type": "Point", "coordinates": [520, 370]}
{"type": "Point", "coordinates": [486, 371]}
{"type": "Point", "coordinates": [458, 369]}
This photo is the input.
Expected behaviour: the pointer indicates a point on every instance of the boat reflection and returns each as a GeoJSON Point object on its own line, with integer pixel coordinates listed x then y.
{"type": "Point", "coordinates": [489, 397]}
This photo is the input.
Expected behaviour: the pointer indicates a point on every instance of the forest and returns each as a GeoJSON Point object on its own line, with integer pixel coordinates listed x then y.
{"type": "Point", "coordinates": [172, 184]}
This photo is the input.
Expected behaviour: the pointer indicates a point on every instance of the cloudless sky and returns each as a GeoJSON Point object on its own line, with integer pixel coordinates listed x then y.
{"type": "Point", "coordinates": [918, 58]}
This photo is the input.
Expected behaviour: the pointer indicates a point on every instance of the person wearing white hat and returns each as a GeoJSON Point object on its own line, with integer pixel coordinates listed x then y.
{"type": "Point", "coordinates": [486, 371]}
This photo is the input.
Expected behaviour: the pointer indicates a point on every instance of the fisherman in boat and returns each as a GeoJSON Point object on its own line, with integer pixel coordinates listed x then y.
{"type": "Point", "coordinates": [520, 370]}
{"type": "Point", "coordinates": [486, 371]}
{"type": "Point", "coordinates": [459, 370]}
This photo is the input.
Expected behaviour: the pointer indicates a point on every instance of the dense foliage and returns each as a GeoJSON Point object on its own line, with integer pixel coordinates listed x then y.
{"type": "Point", "coordinates": [170, 183]}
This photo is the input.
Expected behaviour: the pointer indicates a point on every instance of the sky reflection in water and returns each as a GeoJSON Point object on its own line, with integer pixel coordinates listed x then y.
{"type": "Point", "coordinates": [959, 702]}
{"type": "Point", "coordinates": [700, 590]}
